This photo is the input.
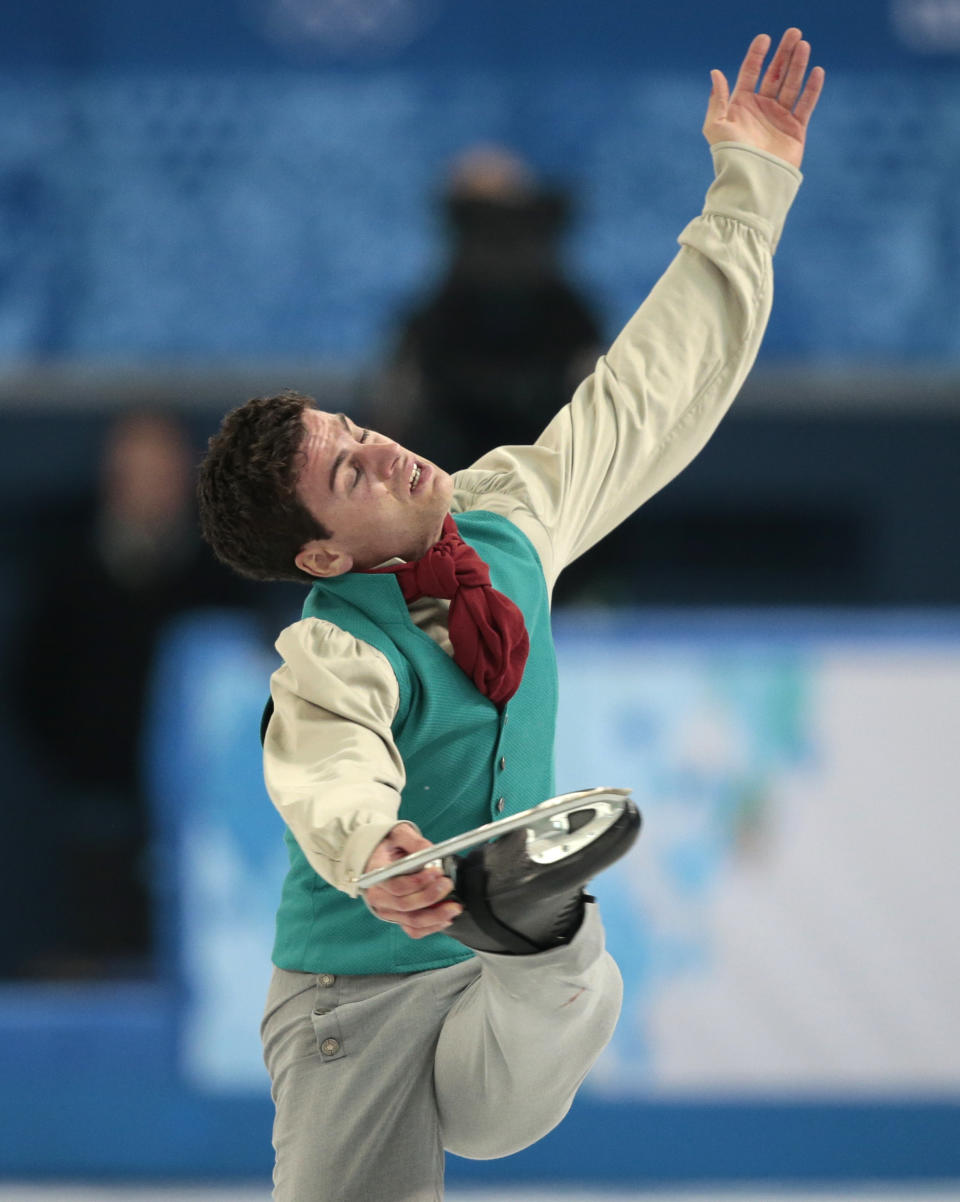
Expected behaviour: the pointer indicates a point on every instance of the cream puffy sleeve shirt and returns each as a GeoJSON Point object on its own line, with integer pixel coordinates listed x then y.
{"type": "Point", "coordinates": [330, 763]}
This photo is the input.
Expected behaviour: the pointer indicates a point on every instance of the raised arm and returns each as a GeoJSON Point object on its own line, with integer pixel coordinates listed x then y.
{"type": "Point", "coordinates": [657, 396]}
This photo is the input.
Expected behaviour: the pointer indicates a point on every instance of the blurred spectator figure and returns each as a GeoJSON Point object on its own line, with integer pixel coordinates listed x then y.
{"type": "Point", "coordinates": [105, 588]}
{"type": "Point", "coordinates": [504, 339]}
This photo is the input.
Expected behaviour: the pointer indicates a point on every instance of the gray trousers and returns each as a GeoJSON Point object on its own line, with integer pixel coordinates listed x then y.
{"type": "Point", "coordinates": [374, 1076]}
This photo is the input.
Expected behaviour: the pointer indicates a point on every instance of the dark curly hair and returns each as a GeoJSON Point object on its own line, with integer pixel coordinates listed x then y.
{"type": "Point", "coordinates": [250, 513]}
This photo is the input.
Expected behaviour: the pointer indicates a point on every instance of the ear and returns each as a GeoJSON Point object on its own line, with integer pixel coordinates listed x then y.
{"type": "Point", "coordinates": [321, 557]}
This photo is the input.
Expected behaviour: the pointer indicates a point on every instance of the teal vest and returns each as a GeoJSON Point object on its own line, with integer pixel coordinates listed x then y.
{"type": "Point", "coordinates": [466, 762]}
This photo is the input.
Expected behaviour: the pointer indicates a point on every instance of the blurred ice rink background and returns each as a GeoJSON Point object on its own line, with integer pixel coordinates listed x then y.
{"type": "Point", "coordinates": [27, 1193]}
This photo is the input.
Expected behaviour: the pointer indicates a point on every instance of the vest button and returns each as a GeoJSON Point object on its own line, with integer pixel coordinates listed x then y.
{"type": "Point", "coordinates": [503, 762]}
{"type": "Point", "coordinates": [499, 805]}
{"type": "Point", "coordinates": [330, 1047]}
{"type": "Point", "coordinates": [326, 979]}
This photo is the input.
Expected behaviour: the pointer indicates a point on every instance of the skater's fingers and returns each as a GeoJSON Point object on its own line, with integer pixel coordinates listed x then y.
{"type": "Point", "coordinates": [398, 842]}
{"type": "Point", "coordinates": [752, 64]}
{"type": "Point", "coordinates": [383, 898]}
{"type": "Point", "coordinates": [430, 880]}
{"type": "Point", "coordinates": [404, 839]}
{"type": "Point", "coordinates": [428, 921]}
{"type": "Point", "coordinates": [433, 917]}
{"type": "Point", "coordinates": [432, 921]}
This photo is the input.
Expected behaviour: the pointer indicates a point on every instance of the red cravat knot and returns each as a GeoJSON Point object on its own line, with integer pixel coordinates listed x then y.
{"type": "Point", "coordinates": [487, 630]}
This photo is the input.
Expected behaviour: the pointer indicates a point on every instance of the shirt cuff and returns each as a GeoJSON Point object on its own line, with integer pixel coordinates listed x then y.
{"type": "Point", "coordinates": [752, 186]}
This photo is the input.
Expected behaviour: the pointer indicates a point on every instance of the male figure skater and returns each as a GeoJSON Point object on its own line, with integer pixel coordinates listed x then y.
{"type": "Point", "coordinates": [459, 1007]}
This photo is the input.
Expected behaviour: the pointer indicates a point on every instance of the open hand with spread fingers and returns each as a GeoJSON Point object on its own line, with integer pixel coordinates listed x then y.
{"type": "Point", "coordinates": [774, 116]}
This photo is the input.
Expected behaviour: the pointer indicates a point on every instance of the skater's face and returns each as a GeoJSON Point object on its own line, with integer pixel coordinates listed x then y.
{"type": "Point", "coordinates": [377, 499]}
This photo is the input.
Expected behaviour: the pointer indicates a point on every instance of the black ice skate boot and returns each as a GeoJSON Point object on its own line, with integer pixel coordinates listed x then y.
{"type": "Point", "coordinates": [523, 892]}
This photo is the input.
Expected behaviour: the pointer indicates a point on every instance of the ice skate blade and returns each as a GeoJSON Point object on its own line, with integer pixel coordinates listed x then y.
{"type": "Point", "coordinates": [549, 834]}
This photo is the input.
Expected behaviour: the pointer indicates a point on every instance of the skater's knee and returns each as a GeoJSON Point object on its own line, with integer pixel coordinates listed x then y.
{"type": "Point", "coordinates": [498, 1137]}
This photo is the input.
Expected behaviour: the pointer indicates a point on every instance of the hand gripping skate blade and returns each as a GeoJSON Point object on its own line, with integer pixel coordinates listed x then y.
{"type": "Point", "coordinates": [555, 828]}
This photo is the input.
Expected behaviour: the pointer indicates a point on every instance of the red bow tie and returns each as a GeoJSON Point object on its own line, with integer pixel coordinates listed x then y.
{"type": "Point", "coordinates": [487, 630]}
